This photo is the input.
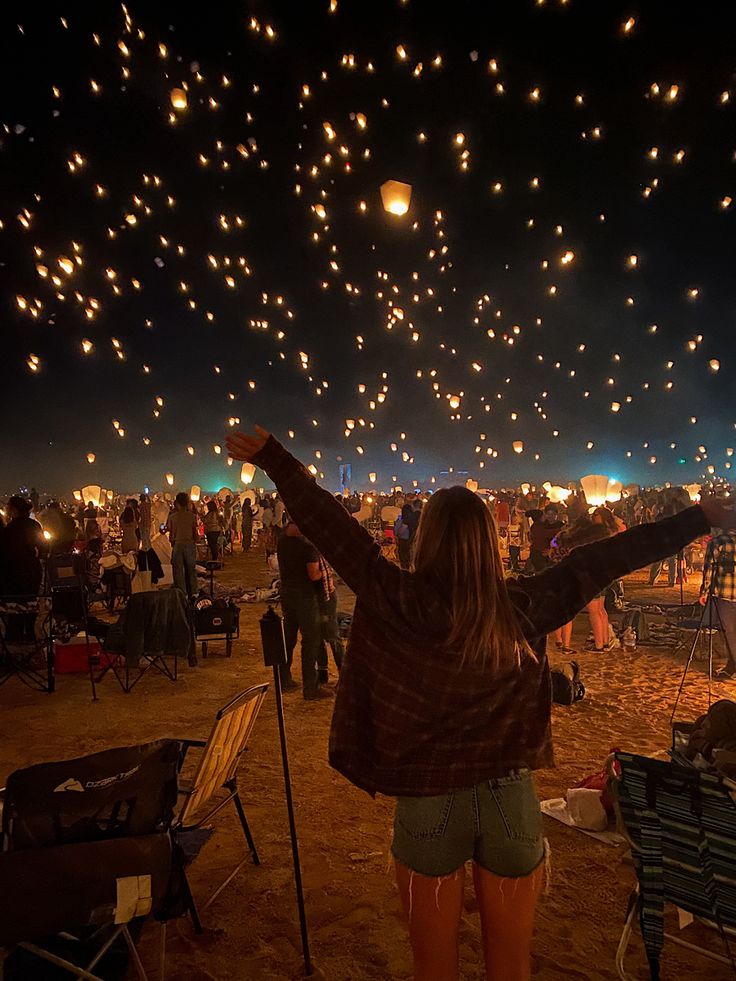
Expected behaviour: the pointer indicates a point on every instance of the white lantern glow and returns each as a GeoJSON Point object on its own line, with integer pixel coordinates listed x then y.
{"type": "Point", "coordinates": [247, 473]}
{"type": "Point", "coordinates": [558, 494]}
{"type": "Point", "coordinates": [195, 493]}
{"type": "Point", "coordinates": [396, 197]}
{"type": "Point", "coordinates": [595, 488]}
{"type": "Point", "coordinates": [693, 491]}
{"type": "Point", "coordinates": [615, 490]}
{"type": "Point", "coordinates": [91, 494]}
{"type": "Point", "coordinates": [170, 479]}
{"type": "Point", "coordinates": [178, 98]}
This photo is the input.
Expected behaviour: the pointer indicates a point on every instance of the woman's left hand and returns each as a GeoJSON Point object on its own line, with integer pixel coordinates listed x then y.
{"type": "Point", "coordinates": [242, 446]}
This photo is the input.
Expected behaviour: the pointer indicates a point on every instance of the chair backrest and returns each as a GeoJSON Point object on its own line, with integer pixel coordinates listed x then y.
{"type": "Point", "coordinates": [66, 887]}
{"type": "Point", "coordinates": [682, 826]}
{"type": "Point", "coordinates": [116, 793]}
{"type": "Point", "coordinates": [65, 570]}
{"type": "Point", "coordinates": [227, 741]}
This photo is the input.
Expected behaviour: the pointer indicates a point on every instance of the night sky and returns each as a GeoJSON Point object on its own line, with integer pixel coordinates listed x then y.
{"type": "Point", "coordinates": [563, 279]}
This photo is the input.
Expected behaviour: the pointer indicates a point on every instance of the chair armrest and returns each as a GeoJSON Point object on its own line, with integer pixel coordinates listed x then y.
{"type": "Point", "coordinates": [186, 745]}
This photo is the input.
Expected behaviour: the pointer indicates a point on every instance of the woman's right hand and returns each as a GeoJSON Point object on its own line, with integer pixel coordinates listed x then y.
{"type": "Point", "coordinates": [242, 446]}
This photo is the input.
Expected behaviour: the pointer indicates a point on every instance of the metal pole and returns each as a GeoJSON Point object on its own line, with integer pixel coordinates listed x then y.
{"type": "Point", "coordinates": [292, 823]}
{"type": "Point", "coordinates": [274, 655]}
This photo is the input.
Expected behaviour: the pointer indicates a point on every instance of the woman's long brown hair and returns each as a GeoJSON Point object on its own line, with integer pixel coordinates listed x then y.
{"type": "Point", "coordinates": [457, 549]}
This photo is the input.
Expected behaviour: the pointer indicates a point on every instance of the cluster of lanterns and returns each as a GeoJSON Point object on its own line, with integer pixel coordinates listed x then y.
{"type": "Point", "coordinates": [330, 177]}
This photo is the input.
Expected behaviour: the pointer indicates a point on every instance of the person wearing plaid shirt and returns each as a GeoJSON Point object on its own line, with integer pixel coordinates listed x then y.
{"type": "Point", "coordinates": [327, 599]}
{"type": "Point", "coordinates": [719, 581]}
{"type": "Point", "coordinates": [453, 736]}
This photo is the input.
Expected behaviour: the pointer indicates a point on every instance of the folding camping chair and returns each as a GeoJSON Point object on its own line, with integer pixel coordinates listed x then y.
{"type": "Point", "coordinates": [681, 825]}
{"type": "Point", "coordinates": [54, 812]}
{"type": "Point", "coordinates": [26, 651]}
{"type": "Point", "coordinates": [154, 626]}
{"type": "Point", "coordinates": [69, 904]}
{"type": "Point", "coordinates": [218, 770]}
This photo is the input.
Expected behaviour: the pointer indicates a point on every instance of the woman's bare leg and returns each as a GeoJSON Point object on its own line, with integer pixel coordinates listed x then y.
{"type": "Point", "coordinates": [565, 634]}
{"type": "Point", "coordinates": [433, 906]}
{"type": "Point", "coordinates": [507, 908]}
{"type": "Point", "coordinates": [600, 631]}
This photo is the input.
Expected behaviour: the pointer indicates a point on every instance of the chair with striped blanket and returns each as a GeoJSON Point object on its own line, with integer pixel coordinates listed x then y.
{"type": "Point", "coordinates": [681, 825]}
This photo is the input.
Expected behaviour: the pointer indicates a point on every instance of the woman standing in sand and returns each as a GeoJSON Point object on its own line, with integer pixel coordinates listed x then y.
{"type": "Point", "coordinates": [444, 698]}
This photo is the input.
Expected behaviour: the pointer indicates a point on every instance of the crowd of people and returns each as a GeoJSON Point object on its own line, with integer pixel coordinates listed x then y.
{"type": "Point", "coordinates": [447, 648]}
{"type": "Point", "coordinates": [32, 530]}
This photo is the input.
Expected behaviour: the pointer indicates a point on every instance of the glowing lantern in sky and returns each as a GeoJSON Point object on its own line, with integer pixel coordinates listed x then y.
{"type": "Point", "coordinates": [170, 479]}
{"type": "Point", "coordinates": [595, 488]}
{"type": "Point", "coordinates": [247, 473]}
{"type": "Point", "coordinates": [195, 493]}
{"type": "Point", "coordinates": [454, 401]}
{"type": "Point", "coordinates": [714, 364]}
{"type": "Point", "coordinates": [693, 491]}
{"type": "Point", "coordinates": [472, 485]}
{"type": "Point", "coordinates": [525, 488]}
{"type": "Point", "coordinates": [78, 496]}
{"type": "Point", "coordinates": [396, 197]}
{"type": "Point", "coordinates": [518, 446]}
{"type": "Point", "coordinates": [372, 477]}
{"type": "Point", "coordinates": [90, 458]}
{"type": "Point", "coordinates": [178, 98]}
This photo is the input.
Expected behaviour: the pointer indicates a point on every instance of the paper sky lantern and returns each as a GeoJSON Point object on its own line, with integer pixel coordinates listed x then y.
{"type": "Point", "coordinates": [372, 477]}
{"type": "Point", "coordinates": [396, 197]}
{"type": "Point", "coordinates": [595, 488]}
{"type": "Point", "coordinates": [557, 494]}
{"type": "Point", "coordinates": [525, 488]}
{"type": "Point", "coordinates": [78, 496]}
{"type": "Point", "coordinates": [693, 491]}
{"type": "Point", "coordinates": [615, 490]}
{"type": "Point", "coordinates": [247, 473]}
{"type": "Point", "coordinates": [170, 479]}
{"type": "Point", "coordinates": [91, 494]}
{"type": "Point", "coordinates": [90, 458]}
{"type": "Point", "coordinates": [472, 485]}
{"type": "Point", "coordinates": [518, 446]}
{"type": "Point", "coordinates": [714, 364]}
{"type": "Point", "coordinates": [110, 495]}
{"type": "Point", "coordinates": [195, 493]}
{"type": "Point", "coordinates": [178, 98]}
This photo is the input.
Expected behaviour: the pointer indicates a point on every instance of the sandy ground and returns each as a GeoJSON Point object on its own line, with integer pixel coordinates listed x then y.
{"type": "Point", "coordinates": [355, 921]}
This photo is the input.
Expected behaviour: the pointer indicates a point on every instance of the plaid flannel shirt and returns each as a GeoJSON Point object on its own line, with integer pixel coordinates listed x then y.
{"type": "Point", "coordinates": [719, 566]}
{"type": "Point", "coordinates": [410, 719]}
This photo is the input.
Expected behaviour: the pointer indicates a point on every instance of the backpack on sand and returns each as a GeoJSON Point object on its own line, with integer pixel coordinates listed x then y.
{"type": "Point", "coordinates": [567, 688]}
{"type": "Point", "coordinates": [636, 619]}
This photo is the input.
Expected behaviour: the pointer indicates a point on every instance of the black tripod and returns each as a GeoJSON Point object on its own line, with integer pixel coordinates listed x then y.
{"type": "Point", "coordinates": [706, 624]}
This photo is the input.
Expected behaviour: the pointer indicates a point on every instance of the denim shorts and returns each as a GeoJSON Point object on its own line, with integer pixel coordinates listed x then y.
{"type": "Point", "coordinates": [497, 823]}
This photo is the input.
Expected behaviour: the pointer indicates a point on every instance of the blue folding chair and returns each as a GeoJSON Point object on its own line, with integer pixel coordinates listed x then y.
{"type": "Point", "coordinates": [681, 825]}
